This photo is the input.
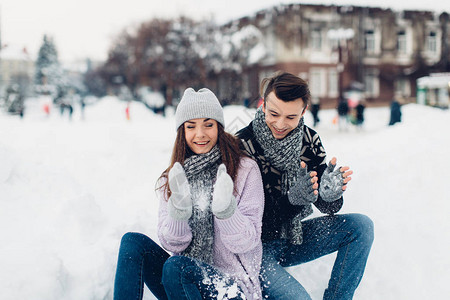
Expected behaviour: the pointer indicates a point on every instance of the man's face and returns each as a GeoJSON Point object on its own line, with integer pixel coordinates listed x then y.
{"type": "Point", "coordinates": [282, 117]}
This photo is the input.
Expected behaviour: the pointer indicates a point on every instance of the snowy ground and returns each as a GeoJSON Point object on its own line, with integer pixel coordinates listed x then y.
{"type": "Point", "coordinates": [70, 189]}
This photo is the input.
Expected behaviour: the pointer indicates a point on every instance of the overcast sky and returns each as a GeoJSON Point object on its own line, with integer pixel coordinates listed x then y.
{"type": "Point", "coordinates": [85, 28]}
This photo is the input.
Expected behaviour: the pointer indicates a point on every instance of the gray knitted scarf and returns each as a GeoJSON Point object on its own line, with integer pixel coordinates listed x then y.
{"type": "Point", "coordinates": [283, 154]}
{"type": "Point", "coordinates": [201, 170]}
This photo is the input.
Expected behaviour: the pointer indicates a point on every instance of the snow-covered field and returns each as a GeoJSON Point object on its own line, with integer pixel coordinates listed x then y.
{"type": "Point", "coordinates": [70, 189]}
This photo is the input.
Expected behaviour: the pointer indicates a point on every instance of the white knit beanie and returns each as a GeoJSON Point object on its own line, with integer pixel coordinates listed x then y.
{"type": "Point", "coordinates": [197, 105]}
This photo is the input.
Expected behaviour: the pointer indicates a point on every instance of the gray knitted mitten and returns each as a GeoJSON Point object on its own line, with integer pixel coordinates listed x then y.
{"type": "Point", "coordinates": [223, 203]}
{"type": "Point", "coordinates": [302, 192]}
{"type": "Point", "coordinates": [331, 184]}
{"type": "Point", "coordinates": [180, 202]}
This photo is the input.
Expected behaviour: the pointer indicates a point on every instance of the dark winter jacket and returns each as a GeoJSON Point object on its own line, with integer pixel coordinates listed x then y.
{"type": "Point", "coordinates": [277, 208]}
{"type": "Point", "coordinates": [360, 113]}
{"type": "Point", "coordinates": [396, 113]}
{"type": "Point", "coordinates": [343, 108]}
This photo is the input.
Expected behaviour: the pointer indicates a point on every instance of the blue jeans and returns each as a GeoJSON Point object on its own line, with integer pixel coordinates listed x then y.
{"type": "Point", "coordinates": [350, 235]}
{"type": "Point", "coordinates": [186, 278]}
{"type": "Point", "coordinates": [140, 260]}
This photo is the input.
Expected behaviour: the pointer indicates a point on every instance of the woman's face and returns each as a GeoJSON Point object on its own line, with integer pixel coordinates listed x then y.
{"type": "Point", "coordinates": [201, 134]}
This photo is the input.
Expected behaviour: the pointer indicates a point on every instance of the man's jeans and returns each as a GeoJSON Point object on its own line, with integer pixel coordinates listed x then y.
{"type": "Point", "coordinates": [351, 235]}
{"type": "Point", "coordinates": [186, 278]}
{"type": "Point", "coordinates": [140, 260]}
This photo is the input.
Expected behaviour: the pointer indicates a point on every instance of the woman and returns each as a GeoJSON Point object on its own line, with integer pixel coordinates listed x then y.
{"type": "Point", "coordinates": [210, 215]}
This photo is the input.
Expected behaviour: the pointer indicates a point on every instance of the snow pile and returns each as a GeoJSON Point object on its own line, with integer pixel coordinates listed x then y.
{"type": "Point", "coordinates": [70, 189]}
{"type": "Point", "coordinates": [150, 97]}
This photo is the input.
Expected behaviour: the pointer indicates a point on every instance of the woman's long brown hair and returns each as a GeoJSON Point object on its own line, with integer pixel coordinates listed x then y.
{"type": "Point", "coordinates": [228, 146]}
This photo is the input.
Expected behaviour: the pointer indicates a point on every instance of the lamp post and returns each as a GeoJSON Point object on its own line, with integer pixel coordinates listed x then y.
{"type": "Point", "coordinates": [341, 36]}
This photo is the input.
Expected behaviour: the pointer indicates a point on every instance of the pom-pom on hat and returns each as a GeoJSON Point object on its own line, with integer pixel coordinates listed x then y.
{"type": "Point", "coordinates": [198, 105]}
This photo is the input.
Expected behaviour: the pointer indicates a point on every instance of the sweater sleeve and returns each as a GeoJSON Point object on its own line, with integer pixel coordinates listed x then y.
{"type": "Point", "coordinates": [174, 235]}
{"type": "Point", "coordinates": [315, 157]}
{"type": "Point", "coordinates": [242, 231]}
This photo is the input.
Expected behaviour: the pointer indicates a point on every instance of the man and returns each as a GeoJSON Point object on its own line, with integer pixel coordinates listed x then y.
{"type": "Point", "coordinates": [343, 111]}
{"type": "Point", "coordinates": [293, 165]}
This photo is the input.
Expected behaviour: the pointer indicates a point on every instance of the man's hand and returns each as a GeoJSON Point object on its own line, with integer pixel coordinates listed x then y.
{"type": "Point", "coordinates": [334, 182]}
{"type": "Point", "coordinates": [304, 191]}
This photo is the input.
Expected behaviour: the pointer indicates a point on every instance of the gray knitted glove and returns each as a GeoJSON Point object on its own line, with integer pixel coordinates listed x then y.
{"type": "Point", "coordinates": [180, 202]}
{"type": "Point", "coordinates": [223, 203]}
{"type": "Point", "coordinates": [331, 184]}
{"type": "Point", "coordinates": [302, 192]}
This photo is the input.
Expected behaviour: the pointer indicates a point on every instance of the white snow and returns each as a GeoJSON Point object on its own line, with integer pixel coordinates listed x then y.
{"type": "Point", "coordinates": [70, 189]}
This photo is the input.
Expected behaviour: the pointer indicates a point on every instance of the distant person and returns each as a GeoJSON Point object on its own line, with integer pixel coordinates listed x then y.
{"type": "Point", "coordinates": [210, 214]}
{"type": "Point", "coordinates": [82, 106]}
{"type": "Point", "coordinates": [315, 107]}
{"type": "Point", "coordinates": [21, 111]}
{"type": "Point", "coordinates": [359, 114]}
{"type": "Point", "coordinates": [260, 102]}
{"type": "Point", "coordinates": [247, 100]}
{"type": "Point", "coordinates": [70, 101]}
{"type": "Point", "coordinates": [70, 109]}
{"type": "Point", "coordinates": [20, 106]}
{"type": "Point", "coordinates": [62, 107]}
{"type": "Point", "coordinates": [396, 113]}
{"type": "Point", "coordinates": [127, 111]}
{"type": "Point", "coordinates": [343, 110]}
{"type": "Point", "coordinates": [46, 108]}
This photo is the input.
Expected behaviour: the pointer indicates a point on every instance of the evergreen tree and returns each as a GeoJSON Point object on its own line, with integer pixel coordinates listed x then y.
{"type": "Point", "coordinates": [48, 69]}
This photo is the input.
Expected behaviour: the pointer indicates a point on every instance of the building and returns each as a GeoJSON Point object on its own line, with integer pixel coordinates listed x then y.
{"type": "Point", "coordinates": [335, 46]}
{"type": "Point", "coordinates": [16, 69]}
{"type": "Point", "coordinates": [434, 90]}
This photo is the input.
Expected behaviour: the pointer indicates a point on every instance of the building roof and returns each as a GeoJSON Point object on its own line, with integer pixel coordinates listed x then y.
{"type": "Point", "coordinates": [14, 53]}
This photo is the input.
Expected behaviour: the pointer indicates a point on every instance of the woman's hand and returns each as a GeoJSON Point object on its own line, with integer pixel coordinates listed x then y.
{"type": "Point", "coordinates": [180, 202]}
{"type": "Point", "coordinates": [223, 203]}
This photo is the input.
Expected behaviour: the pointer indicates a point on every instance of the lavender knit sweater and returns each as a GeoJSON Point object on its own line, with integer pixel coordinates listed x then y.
{"type": "Point", "coordinates": [237, 240]}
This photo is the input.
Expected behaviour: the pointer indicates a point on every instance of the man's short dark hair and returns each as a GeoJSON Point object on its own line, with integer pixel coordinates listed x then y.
{"type": "Point", "coordinates": [287, 87]}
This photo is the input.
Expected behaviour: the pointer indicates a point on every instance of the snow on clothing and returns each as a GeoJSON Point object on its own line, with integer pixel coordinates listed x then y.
{"type": "Point", "coordinates": [237, 240]}
{"type": "Point", "coordinates": [279, 213]}
{"type": "Point", "coordinates": [200, 171]}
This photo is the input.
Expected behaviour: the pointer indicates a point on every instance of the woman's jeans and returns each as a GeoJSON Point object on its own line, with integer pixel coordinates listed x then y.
{"type": "Point", "coordinates": [186, 278]}
{"type": "Point", "coordinates": [140, 260]}
{"type": "Point", "coordinates": [350, 235]}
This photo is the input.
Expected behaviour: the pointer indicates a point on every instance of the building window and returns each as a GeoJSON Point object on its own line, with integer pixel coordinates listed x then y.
{"type": "Point", "coordinates": [369, 37]}
{"type": "Point", "coordinates": [431, 42]}
{"type": "Point", "coordinates": [316, 39]}
{"type": "Point", "coordinates": [403, 87]}
{"type": "Point", "coordinates": [333, 82]}
{"type": "Point", "coordinates": [317, 82]}
{"type": "Point", "coordinates": [371, 84]}
{"type": "Point", "coordinates": [401, 42]}
{"type": "Point", "coordinates": [245, 86]}
{"type": "Point", "coordinates": [334, 44]}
